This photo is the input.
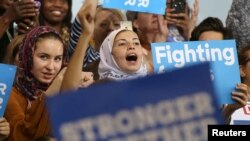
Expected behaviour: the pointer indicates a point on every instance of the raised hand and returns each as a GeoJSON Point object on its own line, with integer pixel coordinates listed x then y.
{"type": "Point", "coordinates": [184, 20]}
{"type": "Point", "coordinates": [194, 15]}
{"type": "Point", "coordinates": [86, 16]}
{"type": "Point", "coordinates": [87, 79]}
{"type": "Point", "coordinates": [162, 34]}
{"type": "Point", "coordinates": [23, 9]}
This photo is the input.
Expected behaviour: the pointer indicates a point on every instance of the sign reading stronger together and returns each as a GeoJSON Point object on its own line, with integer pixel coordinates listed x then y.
{"type": "Point", "coordinates": [141, 109]}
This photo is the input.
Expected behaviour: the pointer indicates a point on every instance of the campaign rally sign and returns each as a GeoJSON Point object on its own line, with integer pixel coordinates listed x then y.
{"type": "Point", "coordinates": [149, 6]}
{"type": "Point", "coordinates": [7, 75]}
{"type": "Point", "coordinates": [241, 116]}
{"type": "Point", "coordinates": [222, 55]}
{"type": "Point", "coordinates": [155, 108]}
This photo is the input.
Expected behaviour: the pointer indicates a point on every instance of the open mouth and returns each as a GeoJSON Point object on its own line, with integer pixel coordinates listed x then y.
{"type": "Point", "coordinates": [48, 75]}
{"type": "Point", "coordinates": [131, 57]}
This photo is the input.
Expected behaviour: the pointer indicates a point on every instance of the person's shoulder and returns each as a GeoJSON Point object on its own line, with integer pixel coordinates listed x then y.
{"type": "Point", "coordinates": [16, 105]}
{"type": "Point", "coordinates": [16, 97]}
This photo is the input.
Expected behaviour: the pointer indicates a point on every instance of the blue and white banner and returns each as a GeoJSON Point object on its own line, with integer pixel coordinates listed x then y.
{"type": "Point", "coordinates": [222, 55]}
{"type": "Point", "coordinates": [156, 108]}
{"type": "Point", "coordinates": [7, 75]}
{"type": "Point", "coordinates": [149, 6]}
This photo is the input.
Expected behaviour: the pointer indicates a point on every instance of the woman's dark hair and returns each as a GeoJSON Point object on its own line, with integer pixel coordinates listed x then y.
{"type": "Point", "coordinates": [211, 24]}
{"type": "Point", "coordinates": [66, 23]}
{"type": "Point", "coordinates": [131, 16]}
{"type": "Point", "coordinates": [243, 55]}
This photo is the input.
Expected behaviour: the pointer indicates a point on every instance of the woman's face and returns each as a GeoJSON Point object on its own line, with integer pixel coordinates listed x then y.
{"type": "Point", "coordinates": [245, 68]}
{"type": "Point", "coordinates": [105, 22]}
{"type": "Point", "coordinates": [127, 51]}
{"type": "Point", "coordinates": [210, 35]}
{"type": "Point", "coordinates": [47, 60]}
{"type": "Point", "coordinates": [55, 11]}
{"type": "Point", "coordinates": [146, 22]}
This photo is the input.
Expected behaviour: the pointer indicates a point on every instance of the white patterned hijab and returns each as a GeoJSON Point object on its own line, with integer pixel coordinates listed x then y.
{"type": "Point", "coordinates": [108, 68]}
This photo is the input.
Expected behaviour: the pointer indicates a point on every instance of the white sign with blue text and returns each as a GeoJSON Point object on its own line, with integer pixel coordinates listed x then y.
{"type": "Point", "coordinates": [7, 75]}
{"type": "Point", "coordinates": [222, 54]}
{"type": "Point", "coordinates": [149, 6]}
{"type": "Point", "coordinates": [139, 110]}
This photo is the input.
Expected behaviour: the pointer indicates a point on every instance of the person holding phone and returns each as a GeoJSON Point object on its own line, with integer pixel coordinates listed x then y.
{"type": "Point", "coordinates": [28, 22]}
{"type": "Point", "coordinates": [181, 19]}
{"type": "Point", "coordinates": [10, 12]}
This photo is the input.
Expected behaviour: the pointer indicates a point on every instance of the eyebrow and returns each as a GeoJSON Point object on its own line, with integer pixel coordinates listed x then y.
{"type": "Point", "coordinates": [42, 53]}
{"type": "Point", "coordinates": [126, 40]}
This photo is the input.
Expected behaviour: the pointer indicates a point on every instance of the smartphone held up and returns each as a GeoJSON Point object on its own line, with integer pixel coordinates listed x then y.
{"type": "Point", "coordinates": [178, 5]}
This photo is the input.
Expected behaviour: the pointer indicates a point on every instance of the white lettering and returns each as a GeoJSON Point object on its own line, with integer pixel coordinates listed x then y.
{"type": "Point", "coordinates": [189, 131]}
{"type": "Point", "coordinates": [178, 57]}
{"type": "Point", "coordinates": [215, 132]}
{"type": "Point", "coordinates": [3, 88]}
{"type": "Point", "coordinates": [230, 133]}
{"type": "Point", "coordinates": [124, 122]}
{"type": "Point", "coordinates": [130, 2]}
{"type": "Point", "coordinates": [186, 55]}
{"type": "Point", "coordinates": [143, 3]}
{"type": "Point", "coordinates": [188, 52]}
{"type": "Point", "coordinates": [1, 102]}
{"type": "Point", "coordinates": [147, 119]}
{"type": "Point", "coordinates": [105, 126]}
{"type": "Point", "coordinates": [229, 56]}
{"type": "Point", "coordinates": [159, 54]}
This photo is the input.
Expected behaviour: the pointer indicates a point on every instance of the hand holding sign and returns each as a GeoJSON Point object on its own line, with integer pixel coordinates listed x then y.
{"type": "Point", "coordinates": [240, 96]}
{"type": "Point", "coordinates": [222, 54]}
{"type": "Point", "coordinates": [4, 128]}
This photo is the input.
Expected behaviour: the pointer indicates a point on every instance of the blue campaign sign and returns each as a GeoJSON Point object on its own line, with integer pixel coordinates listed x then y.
{"type": "Point", "coordinates": [222, 55]}
{"type": "Point", "coordinates": [7, 75]}
{"type": "Point", "coordinates": [149, 6]}
{"type": "Point", "coordinates": [165, 106]}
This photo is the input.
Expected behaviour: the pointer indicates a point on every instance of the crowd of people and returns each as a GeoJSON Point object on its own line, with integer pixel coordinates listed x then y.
{"type": "Point", "coordinates": [53, 55]}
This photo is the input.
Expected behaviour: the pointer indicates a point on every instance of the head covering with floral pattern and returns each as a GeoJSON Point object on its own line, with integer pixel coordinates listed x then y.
{"type": "Point", "coordinates": [26, 83]}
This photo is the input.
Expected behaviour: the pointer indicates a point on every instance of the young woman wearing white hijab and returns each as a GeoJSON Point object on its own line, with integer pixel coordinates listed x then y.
{"type": "Point", "coordinates": [124, 60]}
{"type": "Point", "coordinates": [121, 56]}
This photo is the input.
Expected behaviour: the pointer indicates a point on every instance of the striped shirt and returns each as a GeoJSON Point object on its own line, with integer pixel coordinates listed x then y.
{"type": "Point", "coordinates": [91, 54]}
